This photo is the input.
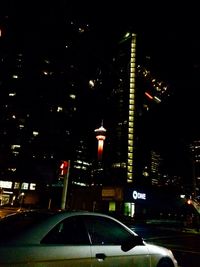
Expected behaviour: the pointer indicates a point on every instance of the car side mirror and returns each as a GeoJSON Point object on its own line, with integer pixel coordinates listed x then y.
{"type": "Point", "coordinates": [132, 242]}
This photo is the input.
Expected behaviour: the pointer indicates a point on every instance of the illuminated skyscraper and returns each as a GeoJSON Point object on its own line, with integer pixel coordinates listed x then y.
{"type": "Point", "coordinates": [131, 115]}
{"type": "Point", "coordinates": [123, 111]}
{"type": "Point", "coordinates": [195, 150]}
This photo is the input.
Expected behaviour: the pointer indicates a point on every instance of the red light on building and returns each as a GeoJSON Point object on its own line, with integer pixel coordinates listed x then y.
{"type": "Point", "coordinates": [149, 96]}
{"type": "Point", "coordinates": [64, 167]}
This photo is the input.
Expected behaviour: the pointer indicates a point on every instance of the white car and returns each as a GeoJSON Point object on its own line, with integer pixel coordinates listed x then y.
{"type": "Point", "coordinates": [75, 239]}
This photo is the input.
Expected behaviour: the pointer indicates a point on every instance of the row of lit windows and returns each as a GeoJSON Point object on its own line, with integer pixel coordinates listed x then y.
{"type": "Point", "coordinates": [17, 185]}
{"type": "Point", "coordinates": [131, 110]}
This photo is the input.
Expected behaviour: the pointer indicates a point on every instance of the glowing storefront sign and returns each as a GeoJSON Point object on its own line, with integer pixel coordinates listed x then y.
{"type": "Point", "coordinates": [24, 186]}
{"type": "Point", "coordinates": [138, 195]}
{"type": "Point", "coordinates": [5, 184]}
{"type": "Point", "coordinates": [16, 185]}
{"type": "Point", "coordinates": [32, 186]}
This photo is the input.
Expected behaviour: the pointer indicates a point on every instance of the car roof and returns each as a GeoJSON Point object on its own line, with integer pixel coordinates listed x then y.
{"type": "Point", "coordinates": [42, 221]}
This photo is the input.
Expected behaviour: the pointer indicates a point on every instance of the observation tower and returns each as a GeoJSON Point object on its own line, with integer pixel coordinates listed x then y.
{"type": "Point", "coordinates": [101, 136]}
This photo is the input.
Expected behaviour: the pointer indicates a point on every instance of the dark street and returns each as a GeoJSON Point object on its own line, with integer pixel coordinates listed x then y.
{"type": "Point", "coordinates": [185, 244]}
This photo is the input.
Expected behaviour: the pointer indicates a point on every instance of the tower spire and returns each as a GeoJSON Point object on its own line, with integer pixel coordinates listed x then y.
{"type": "Point", "coordinates": [101, 136]}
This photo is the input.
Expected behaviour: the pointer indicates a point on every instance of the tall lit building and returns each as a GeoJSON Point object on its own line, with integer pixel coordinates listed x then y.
{"type": "Point", "coordinates": [195, 158]}
{"type": "Point", "coordinates": [123, 110]}
{"type": "Point", "coordinates": [155, 167]}
{"type": "Point", "coordinates": [131, 114]}
{"type": "Point", "coordinates": [41, 92]}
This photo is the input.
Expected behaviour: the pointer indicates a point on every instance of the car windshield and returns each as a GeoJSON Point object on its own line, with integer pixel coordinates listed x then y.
{"type": "Point", "coordinates": [13, 225]}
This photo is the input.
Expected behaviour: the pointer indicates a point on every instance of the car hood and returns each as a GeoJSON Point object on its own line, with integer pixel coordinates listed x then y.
{"type": "Point", "coordinates": [155, 249]}
{"type": "Point", "coordinates": [158, 252]}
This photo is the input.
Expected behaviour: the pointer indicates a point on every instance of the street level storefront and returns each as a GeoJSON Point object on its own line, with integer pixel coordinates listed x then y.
{"type": "Point", "coordinates": [116, 200]}
{"type": "Point", "coordinates": [112, 199]}
{"type": "Point", "coordinates": [152, 203]}
{"type": "Point", "coordinates": [96, 198]}
{"type": "Point", "coordinates": [138, 203]}
{"type": "Point", "coordinates": [135, 202]}
{"type": "Point", "coordinates": [17, 192]}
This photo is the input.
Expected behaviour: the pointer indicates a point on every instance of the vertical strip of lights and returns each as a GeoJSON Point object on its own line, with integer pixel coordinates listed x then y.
{"type": "Point", "coordinates": [130, 163]}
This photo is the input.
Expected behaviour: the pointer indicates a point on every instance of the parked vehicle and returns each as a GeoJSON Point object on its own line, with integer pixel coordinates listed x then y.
{"type": "Point", "coordinates": [63, 238]}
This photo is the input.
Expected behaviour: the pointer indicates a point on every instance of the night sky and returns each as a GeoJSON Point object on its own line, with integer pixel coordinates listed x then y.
{"type": "Point", "coordinates": [168, 34]}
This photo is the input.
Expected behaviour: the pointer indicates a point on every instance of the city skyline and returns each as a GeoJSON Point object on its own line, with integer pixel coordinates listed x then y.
{"type": "Point", "coordinates": [172, 52]}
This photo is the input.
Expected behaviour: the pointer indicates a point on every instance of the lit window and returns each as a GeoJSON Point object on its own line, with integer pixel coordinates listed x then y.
{"type": "Point", "coordinates": [72, 96]}
{"type": "Point", "coordinates": [12, 94]}
{"type": "Point", "coordinates": [81, 30]}
{"type": "Point", "coordinates": [21, 126]}
{"type": "Point", "coordinates": [35, 133]}
{"type": "Point", "coordinates": [91, 83]}
{"type": "Point", "coordinates": [45, 73]}
{"type": "Point", "coordinates": [13, 147]}
{"type": "Point", "coordinates": [59, 109]}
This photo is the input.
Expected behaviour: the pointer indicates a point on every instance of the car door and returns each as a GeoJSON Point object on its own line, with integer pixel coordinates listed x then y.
{"type": "Point", "coordinates": [67, 245]}
{"type": "Point", "coordinates": [107, 236]}
{"type": "Point", "coordinates": [45, 256]}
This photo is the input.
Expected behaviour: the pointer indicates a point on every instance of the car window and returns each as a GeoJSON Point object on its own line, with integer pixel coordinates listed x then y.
{"type": "Point", "coordinates": [15, 224]}
{"type": "Point", "coordinates": [70, 231]}
{"type": "Point", "coordinates": [105, 231]}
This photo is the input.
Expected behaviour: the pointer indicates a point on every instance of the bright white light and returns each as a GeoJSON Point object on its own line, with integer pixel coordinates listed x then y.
{"type": "Point", "coordinates": [91, 83]}
{"type": "Point", "coordinates": [59, 109]}
{"type": "Point", "coordinates": [13, 147]}
{"type": "Point", "coordinates": [5, 184]}
{"type": "Point", "coordinates": [21, 126]}
{"type": "Point", "coordinates": [12, 94]}
{"type": "Point", "coordinates": [35, 133]}
{"type": "Point", "coordinates": [72, 96]}
{"type": "Point", "coordinates": [158, 100]}
{"type": "Point", "coordinates": [32, 186]}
